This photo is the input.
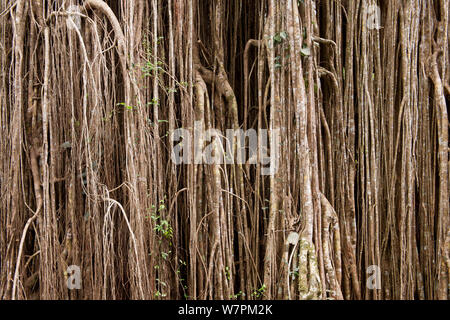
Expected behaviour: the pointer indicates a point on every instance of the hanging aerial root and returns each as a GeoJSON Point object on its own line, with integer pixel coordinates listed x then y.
{"type": "Point", "coordinates": [330, 219]}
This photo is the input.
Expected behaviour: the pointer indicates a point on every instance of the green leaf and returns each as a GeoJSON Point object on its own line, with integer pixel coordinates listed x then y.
{"type": "Point", "coordinates": [277, 38]}
{"type": "Point", "coordinates": [305, 51]}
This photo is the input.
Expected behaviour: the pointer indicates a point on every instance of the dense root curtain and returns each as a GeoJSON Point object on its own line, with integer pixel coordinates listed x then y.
{"type": "Point", "coordinates": [353, 96]}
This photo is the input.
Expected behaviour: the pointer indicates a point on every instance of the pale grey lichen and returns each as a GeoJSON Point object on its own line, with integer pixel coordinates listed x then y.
{"type": "Point", "coordinates": [309, 285]}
